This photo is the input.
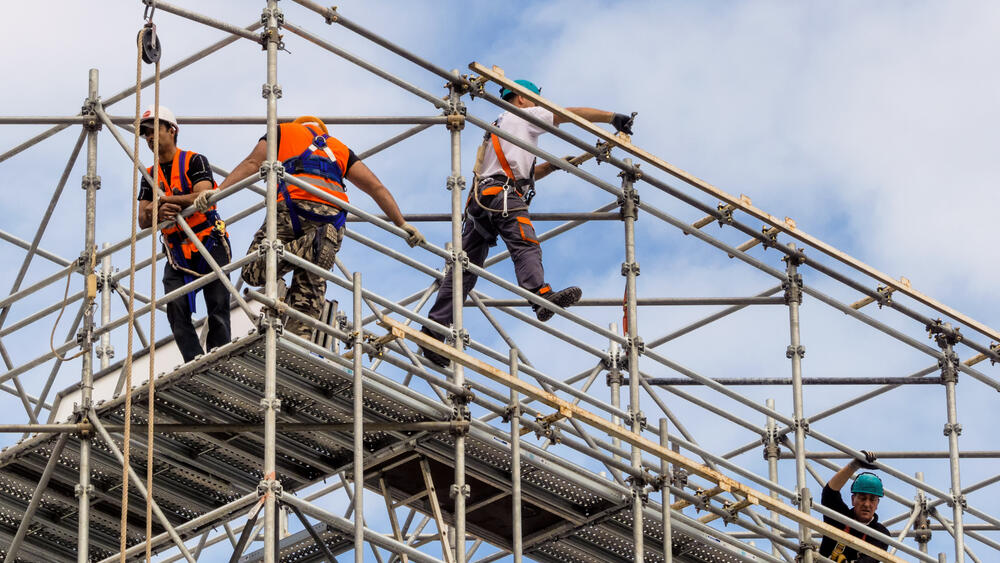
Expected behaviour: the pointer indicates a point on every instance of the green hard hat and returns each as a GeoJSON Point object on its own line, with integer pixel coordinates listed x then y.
{"type": "Point", "coordinates": [526, 83]}
{"type": "Point", "coordinates": [868, 483]}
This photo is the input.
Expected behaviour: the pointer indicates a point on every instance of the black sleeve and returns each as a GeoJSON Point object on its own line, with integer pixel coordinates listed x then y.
{"type": "Point", "coordinates": [833, 500]}
{"type": "Point", "coordinates": [199, 170]}
{"type": "Point", "coordinates": [351, 159]}
{"type": "Point", "coordinates": [145, 192]}
{"type": "Point", "coordinates": [277, 139]}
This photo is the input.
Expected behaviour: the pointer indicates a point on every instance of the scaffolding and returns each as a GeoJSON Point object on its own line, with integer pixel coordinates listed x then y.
{"type": "Point", "coordinates": [534, 464]}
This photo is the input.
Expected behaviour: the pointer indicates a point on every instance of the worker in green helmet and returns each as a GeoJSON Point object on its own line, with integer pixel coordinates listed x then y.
{"type": "Point", "coordinates": [866, 492]}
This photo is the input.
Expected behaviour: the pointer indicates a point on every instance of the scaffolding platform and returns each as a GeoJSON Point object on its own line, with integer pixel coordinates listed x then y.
{"type": "Point", "coordinates": [574, 516]}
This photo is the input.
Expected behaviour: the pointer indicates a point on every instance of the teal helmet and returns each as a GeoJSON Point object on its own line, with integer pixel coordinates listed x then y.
{"type": "Point", "coordinates": [868, 483]}
{"type": "Point", "coordinates": [504, 92]}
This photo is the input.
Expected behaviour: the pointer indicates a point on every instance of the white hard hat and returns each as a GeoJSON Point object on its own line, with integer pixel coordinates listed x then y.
{"type": "Point", "coordinates": [166, 116]}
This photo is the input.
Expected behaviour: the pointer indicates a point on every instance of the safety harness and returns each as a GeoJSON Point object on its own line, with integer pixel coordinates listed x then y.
{"type": "Point", "coordinates": [180, 250]}
{"type": "Point", "coordinates": [838, 552]}
{"type": "Point", "coordinates": [310, 163]}
{"type": "Point", "coordinates": [496, 183]}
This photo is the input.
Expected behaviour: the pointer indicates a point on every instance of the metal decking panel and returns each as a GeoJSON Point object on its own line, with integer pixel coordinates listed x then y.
{"type": "Point", "coordinates": [566, 520]}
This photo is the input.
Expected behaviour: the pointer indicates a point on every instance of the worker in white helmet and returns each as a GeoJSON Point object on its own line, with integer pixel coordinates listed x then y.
{"type": "Point", "coordinates": [185, 179]}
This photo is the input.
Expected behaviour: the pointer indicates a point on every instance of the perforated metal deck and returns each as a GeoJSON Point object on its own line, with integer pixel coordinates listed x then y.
{"type": "Point", "coordinates": [583, 518]}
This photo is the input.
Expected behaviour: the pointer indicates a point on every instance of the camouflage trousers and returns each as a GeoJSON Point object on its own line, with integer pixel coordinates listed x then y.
{"type": "Point", "coordinates": [318, 243]}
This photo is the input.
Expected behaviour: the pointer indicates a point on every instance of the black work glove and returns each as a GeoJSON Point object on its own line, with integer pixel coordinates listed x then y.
{"type": "Point", "coordinates": [869, 461]}
{"type": "Point", "coordinates": [623, 123]}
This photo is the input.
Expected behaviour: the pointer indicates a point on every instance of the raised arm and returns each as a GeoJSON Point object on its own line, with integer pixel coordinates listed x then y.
{"type": "Point", "coordinates": [250, 165]}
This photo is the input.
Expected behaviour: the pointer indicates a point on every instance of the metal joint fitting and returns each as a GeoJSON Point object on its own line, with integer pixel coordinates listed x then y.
{"type": "Point", "coordinates": [456, 121]}
{"type": "Point", "coordinates": [614, 376]}
{"type": "Point", "coordinates": [631, 175]}
{"type": "Point", "coordinates": [802, 423]}
{"type": "Point", "coordinates": [458, 427]}
{"type": "Point", "coordinates": [510, 412]}
{"type": "Point", "coordinates": [83, 337]}
{"type": "Point", "coordinates": [639, 493]}
{"type": "Point", "coordinates": [803, 548]}
{"type": "Point", "coordinates": [108, 351]}
{"type": "Point", "coordinates": [958, 499]}
{"type": "Point", "coordinates": [628, 205]}
{"type": "Point", "coordinates": [885, 296]}
{"type": "Point", "coordinates": [78, 490]}
{"type": "Point", "coordinates": [267, 90]}
{"type": "Point", "coordinates": [331, 16]}
{"type": "Point", "coordinates": [266, 404]}
{"type": "Point", "coordinates": [636, 343]}
{"type": "Point", "coordinates": [799, 351]}
{"type": "Point", "coordinates": [460, 257]}
{"type": "Point", "coordinates": [464, 490]}
{"type": "Point", "coordinates": [944, 334]}
{"type": "Point", "coordinates": [279, 247]}
{"type": "Point", "coordinates": [770, 237]}
{"type": "Point", "coordinates": [772, 449]}
{"type": "Point", "coordinates": [476, 86]}
{"type": "Point", "coordinates": [455, 182]}
{"type": "Point", "coordinates": [950, 428]}
{"type": "Point", "coordinates": [279, 17]}
{"type": "Point", "coordinates": [796, 258]}
{"type": "Point", "coordinates": [630, 268]}
{"type": "Point", "coordinates": [726, 214]}
{"type": "Point", "coordinates": [463, 397]}
{"type": "Point", "coordinates": [279, 170]}
{"type": "Point", "coordinates": [269, 320]}
{"type": "Point", "coordinates": [922, 534]}
{"type": "Point", "coordinates": [455, 335]}
{"type": "Point", "coordinates": [793, 289]}
{"type": "Point", "coordinates": [549, 432]}
{"type": "Point", "coordinates": [949, 368]}
{"type": "Point", "coordinates": [637, 417]}
{"type": "Point", "coordinates": [679, 477]}
{"type": "Point", "coordinates": [91, 182]}
{"type": "Point", "coordinates": [89, 111]}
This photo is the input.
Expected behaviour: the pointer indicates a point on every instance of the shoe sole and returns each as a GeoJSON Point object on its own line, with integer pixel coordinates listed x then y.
{"type": "Point", "coordinates": [434, 357]}
{"type": "Point", "coordinates": [564, 299]}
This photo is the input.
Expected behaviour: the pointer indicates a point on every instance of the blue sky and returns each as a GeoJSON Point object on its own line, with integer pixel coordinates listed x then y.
{"type": "Point", "coordinates": [874, 126]}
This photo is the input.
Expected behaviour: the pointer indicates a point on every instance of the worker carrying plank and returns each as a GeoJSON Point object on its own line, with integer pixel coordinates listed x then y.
{"type": "Point", "coordinates": [309, 226]}
{"type": "Point", "coordinates": [185, 179]}
{"type": "Point", "coordinates": [498, 206]}
{"type": "Point", "coordinates": [866, 492]}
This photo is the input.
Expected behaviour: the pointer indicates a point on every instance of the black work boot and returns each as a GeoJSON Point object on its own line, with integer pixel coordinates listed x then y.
{"type": "Point", "coordinates": [431, 355]}
{"type": "Point", "coordinates": [563, 298]}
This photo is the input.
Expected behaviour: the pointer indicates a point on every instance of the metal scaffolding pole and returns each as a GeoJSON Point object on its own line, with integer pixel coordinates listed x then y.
{"type": "Point", "coordinates": [91, 183]}
{"type": "Point", "coordinates": [358, 416]}
{"type": "Point", "coordinates": [795, 352]}
{"type": "Point", "coordinates": [771, 451]}
{"type": "Point", "coordinates": [665, 480]}
{"type": "Point", "coordinates": [630, 269]}
{"type": "Point", "coordinates": [946, 340]}
{"type": "Point", "coordinates": [456, 183]}
{"type": "Point", "coordinates": [514, 413]}
{"type": "Point", "coordinates": [270, 485]}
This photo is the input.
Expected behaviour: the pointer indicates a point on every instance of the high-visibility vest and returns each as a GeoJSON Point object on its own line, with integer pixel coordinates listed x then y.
{"type": "Point", "coordinates": [314, 157]}
{"type": "Point", "coordinates": [201, 223]}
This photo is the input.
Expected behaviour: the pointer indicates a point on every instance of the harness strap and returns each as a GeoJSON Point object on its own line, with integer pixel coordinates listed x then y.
{"type": "Point", "coordinates": [501, 158]}
{"type": "Point", "coordinates": [338, 220]}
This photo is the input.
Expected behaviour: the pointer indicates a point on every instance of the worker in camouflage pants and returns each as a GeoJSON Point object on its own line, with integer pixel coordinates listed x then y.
{"type": "Point", "coordinates": [310, 223]}
{"type": "Point", "coordinates": [318, 244]}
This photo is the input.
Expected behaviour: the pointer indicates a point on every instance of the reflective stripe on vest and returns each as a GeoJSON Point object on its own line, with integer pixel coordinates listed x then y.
{"type": "Point", "coordinates": [201, 223]}
{"type": "Point", "coordinates": [301, 144]}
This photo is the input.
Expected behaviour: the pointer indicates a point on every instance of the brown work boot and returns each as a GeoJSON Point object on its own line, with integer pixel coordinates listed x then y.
{"type": "Point", "coordinates": [563, 298]}
{"type": "Point", "coordinates": [431, 355]}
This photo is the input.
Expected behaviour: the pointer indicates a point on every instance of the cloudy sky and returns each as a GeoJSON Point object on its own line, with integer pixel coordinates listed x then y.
{"type": "Point", "coordinates": [874, 126]}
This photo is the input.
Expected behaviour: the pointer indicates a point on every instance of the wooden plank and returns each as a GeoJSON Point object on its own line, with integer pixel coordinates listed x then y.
{"type": "Point", "coordinates": [724, 482]}
{"type": "Point", "coordinates": [496, 75]}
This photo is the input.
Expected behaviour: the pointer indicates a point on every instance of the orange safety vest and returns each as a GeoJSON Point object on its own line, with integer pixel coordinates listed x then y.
{"type": "Point", "coordinates": [201, 223]}
{"type": "Point", "coordinates": [293, 152]}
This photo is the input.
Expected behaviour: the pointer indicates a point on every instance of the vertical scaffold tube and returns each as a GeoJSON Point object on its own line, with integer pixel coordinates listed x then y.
{"type": "Point", "coordinates": [795, 352]}
{"type": "Point", "coordinates": [630, 269]}
{"type": "Point", "coordinates": [460, 490]}
{"type": "Point", "coordinates": [270, 401]}
{"type": "Point", "coordinates": [359, 436]}
{"type": "Point", "coordinates": [515, 463]}
{"type": "Point", "coordinates": [771, 453]}
{"type": "Point", "coordinates": [91, 182]}
{"type": "Point", "coordinates": [668, 551]}
{"type": "Point", "coordinates": [946, 339]}
{"type": "Point", "coordinates": [614, 380]}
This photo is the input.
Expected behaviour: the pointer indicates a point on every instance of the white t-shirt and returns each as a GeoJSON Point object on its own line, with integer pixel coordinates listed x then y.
{"type": "Point", "coordinates": [519, 159]}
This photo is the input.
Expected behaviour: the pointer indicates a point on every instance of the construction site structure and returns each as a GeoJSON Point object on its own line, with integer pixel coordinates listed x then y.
{"type": "Point", "coordinates": [492, 458]}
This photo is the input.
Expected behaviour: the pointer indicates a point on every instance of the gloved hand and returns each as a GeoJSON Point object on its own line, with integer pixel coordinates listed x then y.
{"type": "Point", "coordinates": [869, 461]}
{"type": "Point", "coordinates": [201, 203]}
{"type": "Point", "coordinates": [623, 123]}
{"type": "Point", "coordinates": [415, 238]}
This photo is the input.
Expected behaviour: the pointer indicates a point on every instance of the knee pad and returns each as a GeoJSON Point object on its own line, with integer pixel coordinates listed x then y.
{"type": "Point", "coordinates": [325, 246]}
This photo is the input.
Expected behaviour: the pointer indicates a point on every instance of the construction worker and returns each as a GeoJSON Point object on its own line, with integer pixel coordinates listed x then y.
{"type": "Point", "coordinates": [185, 179]}
{"type": "Point", "coordinates": [498, 206]}
{"type": "Point", "coordinates": [310, 226]}
{"type": "Point", "coordinates": [866, 491]}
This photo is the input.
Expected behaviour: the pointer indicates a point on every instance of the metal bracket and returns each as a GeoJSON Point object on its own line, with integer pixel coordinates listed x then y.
{"type": "Point", "coordinates": [637, 417]}
{"type": "Point", "coordinates": [266, 404]}
{"type": "Point", "coordinates": [267, 89]}
{"type": "Point", "coordinates": [631, 176]}
{"type": "Point", "coordinates": [803, 548]}
{"type": "Point", "coordinates": [885, 295]}
{"type": "Point", "coordinates": [802, 423]}
{"type": "Point", "coordinates": [331, 16]}
{"type": "Point", "coordinates": [796, 258]}
{"type": "Point", "coordinates": [630, 268]}
{"type": "Point", "coordinates": [799, 351]}
{"type": "Point", "coordinates": [949, 367]}
{"type": "Point", "coordinates": [944, 334]}
{"type": "Point", "coordinates": [456, 121]}
{"type": "Point", "coordinates": [958, 499]}
{"type": "Point", "coordinates": [550, 433]}
{"type": "Point", "coordinates": [279, 170]}
{"type": "Point", "coordinates": [103, 351]}
{"type": "Point", "coordinates": [726, 214]}
{"type": "Point", "coordinates": [454, 335]}
{"type": "Point", "coordinates": [679, 477]}
{"type": "Point", "coordinates": [510, 412]}
{"type": "Point", "coordinates": [950, 428]}
{"type": "Point", "coordinates": [279, 17]}
{"type": "Point", "coordinates": [793, 289]}
{"type": "Point", "coordinates": [460, 257]}
{"type": "Point", "coordinates": [770, 237]}
{"type": "Point", "coordinates": [614, 375]}
{"type": "Point", "coordinates": [639, 491]}
{"type": "Point", "coordinates": [91, 182]}
{"type": "Point", "coordinates": [455, 182]}
{"type": "Point", "coordinates": [455, 490]}
{"type": "Point", "coordinates": [78, 490]}
{"type": "Point", "coordinates": [269, 486]}
{"type": "Point", "coordinates": [637, 343]}
{"type": "Point", "coordinates": [89, 112]}
{"type": "Point", "coordinates": [264, 321]}
{"type": "Point", "coordinates": [628, 205]}
{"type": "Point", "coordinates": [772, 448]}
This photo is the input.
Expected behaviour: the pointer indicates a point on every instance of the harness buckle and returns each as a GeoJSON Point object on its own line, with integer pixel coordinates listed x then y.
{"type": "Point", "coordinates": [220, 227]}
{"type": "Point", "coordinates": [319, 142]}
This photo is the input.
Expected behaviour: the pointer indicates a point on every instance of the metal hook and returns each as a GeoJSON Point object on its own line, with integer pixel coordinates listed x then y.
{"type": "Point", "coordinates": [147, 14]}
